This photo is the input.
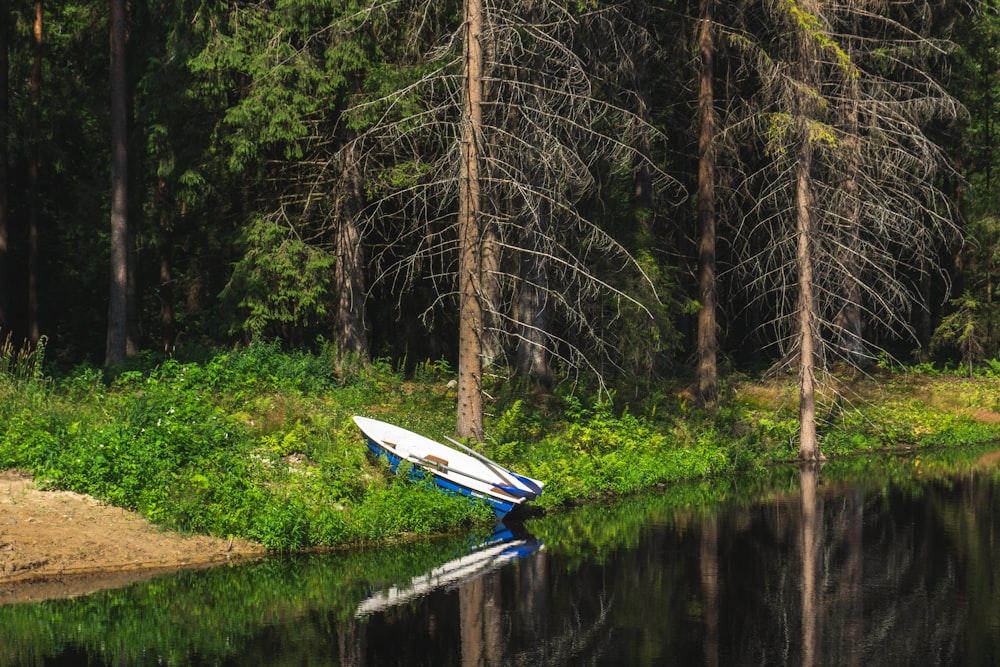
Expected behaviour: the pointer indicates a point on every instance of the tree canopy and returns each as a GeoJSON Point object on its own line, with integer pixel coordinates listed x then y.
{"type": "Point", "coordinates": [357, 172]}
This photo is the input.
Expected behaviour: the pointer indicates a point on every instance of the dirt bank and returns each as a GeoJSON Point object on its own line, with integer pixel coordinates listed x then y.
{"type": "Point", "coordinates": [61, 544]}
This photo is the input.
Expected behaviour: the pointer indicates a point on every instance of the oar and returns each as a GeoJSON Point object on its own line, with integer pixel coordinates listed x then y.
{"type": "Point", "coordinates": [534, 488]}
{"type": "Point", "coordinates": [497, 468]}
{"type": "Point", "coordinates": [509, 490]}
{"type": "Point", "coordinates": [529, 482]}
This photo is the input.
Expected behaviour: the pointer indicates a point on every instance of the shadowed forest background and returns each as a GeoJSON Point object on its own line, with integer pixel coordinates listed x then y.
{"type": "Point", "coordinates": [655, 189]}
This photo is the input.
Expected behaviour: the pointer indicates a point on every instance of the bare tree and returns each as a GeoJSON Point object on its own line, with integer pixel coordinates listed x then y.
{"type": "Point", "coordinates": [470, 327]}
{"type": "Point", "coordinates": [807, 333]}
{"type": "Point", "coordinates": [533, 152]}
{"type": "Point", "coordinates": [848, 92]}
{"type": "Point", "coordinates": [706, 371]}
{"type": "Point", "coordinates": [880, 186]}
{"type": "Point", "coordinates": [847, 337]}
{"type": "Point", "coordinates": [642, 177]}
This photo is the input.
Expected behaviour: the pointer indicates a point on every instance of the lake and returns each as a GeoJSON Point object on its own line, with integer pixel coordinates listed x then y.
{"type": "Point", "coordinates": [877, 561]}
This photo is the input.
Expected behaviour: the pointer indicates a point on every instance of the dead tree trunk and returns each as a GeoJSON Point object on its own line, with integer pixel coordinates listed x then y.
{"type": "Point", "coordinates": [532, 315]}
{"type": "Point", "coordinates": [807, 331]}
{"type": "Point", "coordinates": [470, 364]}
{"type": "Point", "coordinates": [707, 373]}
{"type": "Point", "coordinates": [167, 322]}
{"type": "Point", "coordinates": [808, 443]}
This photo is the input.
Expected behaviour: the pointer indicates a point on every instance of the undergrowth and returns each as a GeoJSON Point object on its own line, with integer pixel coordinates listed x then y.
{"type": "Point", "coordinates": [258, 442]}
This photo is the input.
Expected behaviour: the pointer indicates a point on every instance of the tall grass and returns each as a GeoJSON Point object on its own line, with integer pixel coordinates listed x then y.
{"type": "Point", "coordinates": [24, 363]}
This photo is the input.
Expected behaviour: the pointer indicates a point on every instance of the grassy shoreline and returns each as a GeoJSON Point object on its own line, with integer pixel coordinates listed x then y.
{"type": "Point", "coordinates": [258, 442]}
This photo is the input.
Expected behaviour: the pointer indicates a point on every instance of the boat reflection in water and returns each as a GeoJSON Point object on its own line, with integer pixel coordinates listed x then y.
{"type": "Point", "coordinates": [502, 547]}
{"type": "Point", "coordinates": [486, 606]}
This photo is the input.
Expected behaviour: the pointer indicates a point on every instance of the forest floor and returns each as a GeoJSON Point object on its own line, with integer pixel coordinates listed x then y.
{"type": "Point", "coordinates": [58, 544]}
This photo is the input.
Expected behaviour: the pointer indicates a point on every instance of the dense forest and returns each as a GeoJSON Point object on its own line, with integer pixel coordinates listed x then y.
{"type": "Point", "coordinates": [613, 191]}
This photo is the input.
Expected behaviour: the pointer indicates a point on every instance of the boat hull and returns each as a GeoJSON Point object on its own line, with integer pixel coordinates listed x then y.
{"type": "Point", "coordinates": [449, 469]}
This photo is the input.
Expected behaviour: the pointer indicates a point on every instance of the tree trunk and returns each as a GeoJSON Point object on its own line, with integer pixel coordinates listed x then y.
{"type": "Point", "coordinates": [35, 92]}
{"type": "Point", "coordinates": [806, 305]}
{"type": "Point", "coordinates": [808, 443]}
{"type": "Point", "coordinates": [470, 365]}
{"type": "Point", "coordinates": [167, 328]}
{"type": "Point", "coordinates": [491, 296]}
{"type": "Point", "coordinates": [811, 533]}
{"type": "Point", "coordinates": [925, 325]}
{"type": "Point", "coordinates": [4, 209]}
{"type": "Point", "coordinates": [349, 271]}
{"type": "Point", "coordinates": [708, 564]}
{"type": "Point", "coordinates": [532, 348]}
{"type": "Point", "coordinates": [471, 604]}
{"type": "Point", "coordinates": [132, 326]}
{"type": "Point", "coordinates": [352, 642]}
{"type": "Point", "coordinates": [118, 302]}
{"type": "Point", "coordinates": [847, 324]}
{"type": "Point", "coordinates": [167, 333]}
{"type": "Point", "coordinates": [707, 374]}
{"type": "Point", "coordinates": [532, 314]}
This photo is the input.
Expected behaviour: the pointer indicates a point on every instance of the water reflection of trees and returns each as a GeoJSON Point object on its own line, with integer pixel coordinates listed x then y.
{"type": "Point", "coordinates": [847, 577]}
{"type": "Point", "coordinates": [829, 574]}
{"type": "Point", "coordinates": [821, 573]}
{"type": "Point", "coordinates": [526, 631]}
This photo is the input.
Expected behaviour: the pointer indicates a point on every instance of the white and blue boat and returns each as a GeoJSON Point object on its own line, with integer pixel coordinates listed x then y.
{"type": "Point", "coordinates": [459, 470]}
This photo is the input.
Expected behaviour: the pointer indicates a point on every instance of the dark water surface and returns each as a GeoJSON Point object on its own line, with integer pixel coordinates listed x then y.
{"type": "Point", "coordinates": [881, 562]}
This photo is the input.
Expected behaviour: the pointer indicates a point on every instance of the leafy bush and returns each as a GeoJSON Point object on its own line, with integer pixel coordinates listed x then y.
{"type": "Point", "coordinates": [280, 279]}
{"type": "Point", "coordinates": [597, 452]}
{"type": "Point", "coordinates": [247, 443]}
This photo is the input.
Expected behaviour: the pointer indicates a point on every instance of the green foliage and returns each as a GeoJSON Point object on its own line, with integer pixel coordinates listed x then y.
{"type": "Point", "coordinates": [429, 371]}
{"type": "Point", "coordinates": [280, 279]}
{"type": "Point", "coordinates": [284, 84]}
{"type": "Point", "coordinates": [646, 334]}
{"type": "Point", "coordinates": [247, 443]}
{"type": "Point", "coordinates": [964, 329]}
{"type": "Point", "coordinates": [517, 423]}
{"type": "Point", "coordinates": [596, 452]}
{"type": "Point", "coordinates": [258, 441]}
{"type": "Point", "coordinates": [810, 25]}
{"type": "Point", "coordinates": [991, 368]}
{"type": "Point", "coordinates": [970, 326]}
